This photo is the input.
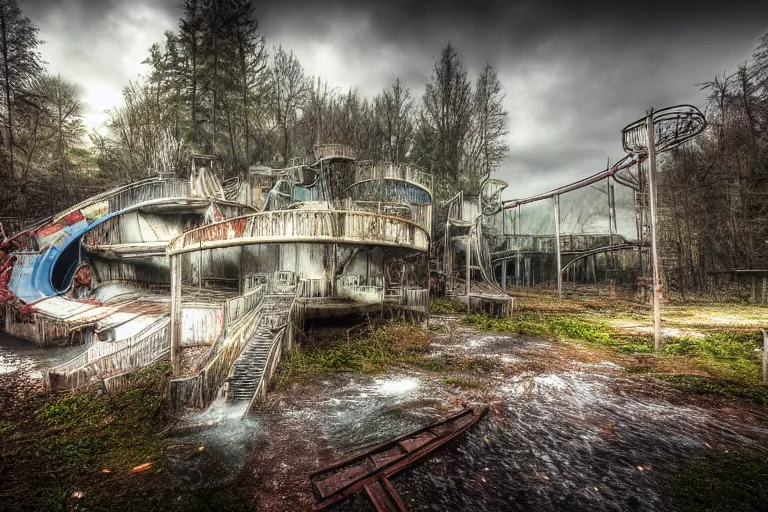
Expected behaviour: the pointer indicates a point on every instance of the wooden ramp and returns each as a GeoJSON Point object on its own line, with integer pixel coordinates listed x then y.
{"type": "Point", "coordinates": [371, 470]}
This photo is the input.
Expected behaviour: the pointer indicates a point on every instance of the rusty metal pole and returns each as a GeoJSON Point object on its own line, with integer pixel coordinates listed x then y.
{"type": "Point", "coordinates": [175, 314]}
{"type": "Point", "coordinates": [557, 248]}
{"type": "Point", "coordinates": [654, 246]}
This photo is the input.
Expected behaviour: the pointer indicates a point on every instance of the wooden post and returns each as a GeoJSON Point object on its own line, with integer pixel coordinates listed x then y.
{"type": "Point", "coordinates": [654, 246]}
{"type": "Point", "coordinates": [557, 248]}
{"type": "Point", "coordinates": [176, 314]}
{"type": "Point", "coordinates": [765, 356]}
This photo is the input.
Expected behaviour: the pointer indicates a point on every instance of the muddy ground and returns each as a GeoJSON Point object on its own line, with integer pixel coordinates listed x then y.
{"type": "Point", "coordinates": [573, 426]}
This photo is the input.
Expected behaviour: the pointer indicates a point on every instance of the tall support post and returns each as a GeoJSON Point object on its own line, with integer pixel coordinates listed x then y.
{"type": "Point", "coordinates": [654, 247]}
{"type": "Point", "coordinates": [765, 357]}
{"type": "Point", "coordinates": [429, 286]}
{"type": "Point", "coordinates": [469, 262]}
{"type": "Point", "coordinates": [517, 256]}
{"type": "Point", "coordinates": [447, 257]}
{"type": "Point", "coordinates": [504, 238]}
{"type": "Point", "coordinates": [557, 248]}
{"type": "Point", "coordinates": [176, 314]}
{"type": "Point", "coordinates": [383, 281]}
{"type": "Point", "coordinates": [333, 270]}
{"type": "Point", "coordinates": [640, 217]}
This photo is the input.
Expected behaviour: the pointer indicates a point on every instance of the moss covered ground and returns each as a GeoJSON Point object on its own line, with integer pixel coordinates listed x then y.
{"type": "Point", "coordinates": [710, 351]}
{"type": "Point", "coordinates": [83, 451]}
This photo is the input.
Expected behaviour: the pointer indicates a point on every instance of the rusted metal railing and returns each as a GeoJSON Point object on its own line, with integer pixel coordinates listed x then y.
{"type": "Point", "coordinates": [309, 226]}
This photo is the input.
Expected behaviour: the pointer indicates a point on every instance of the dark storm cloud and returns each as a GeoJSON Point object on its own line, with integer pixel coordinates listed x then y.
{"type": "Point", "coordinates": [575, 72]}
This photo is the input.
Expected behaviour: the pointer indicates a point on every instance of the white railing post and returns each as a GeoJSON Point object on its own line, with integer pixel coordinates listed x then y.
{"type": "Point", "coordinates": [765, 356]}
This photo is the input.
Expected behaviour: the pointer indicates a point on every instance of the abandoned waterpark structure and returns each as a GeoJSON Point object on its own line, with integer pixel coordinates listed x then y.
{"type": "Point", "coordinates": [221, 274]}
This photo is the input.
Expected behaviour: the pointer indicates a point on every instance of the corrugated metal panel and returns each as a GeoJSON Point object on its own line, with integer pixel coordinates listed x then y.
{"type": "Point", "coordinates": [61, 308]}
{"type": "Point", "coordinates": [91, 315]}
{"type": "Point", "coordinates": [114, 320]}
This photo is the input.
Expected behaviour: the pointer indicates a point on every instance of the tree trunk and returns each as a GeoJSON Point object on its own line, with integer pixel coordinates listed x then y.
{"type": "Point", "coordinates": [4, 30]}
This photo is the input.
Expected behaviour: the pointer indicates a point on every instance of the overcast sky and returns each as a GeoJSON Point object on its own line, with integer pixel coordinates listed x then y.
{"type": "Point", "coordinates": [574, 72]}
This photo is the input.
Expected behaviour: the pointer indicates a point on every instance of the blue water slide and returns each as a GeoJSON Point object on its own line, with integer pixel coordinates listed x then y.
{"type": "Point", "coordinates": [52, 270]}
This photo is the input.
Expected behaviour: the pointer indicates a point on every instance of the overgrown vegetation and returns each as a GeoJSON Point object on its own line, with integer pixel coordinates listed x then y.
{"type": "Point", "coordinates": [730, 359]}
{"type": "Point", "coordinates": [729, 479]}
{"type": "Point", "coordinates": [375, 350]}
{"type": "Point", "coordinates": [76, 452]}
{"type": "Point", "coordinates": [462, 382]}
{"type": "Point", "coordinates": [446, 307]}
{"type": "Point", "coordinates": [366, 352]}
{"type": "Point", "coordinates": [541, 325]}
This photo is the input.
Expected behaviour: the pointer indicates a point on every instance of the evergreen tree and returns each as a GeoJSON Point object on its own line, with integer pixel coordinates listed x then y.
{"type": "Point", "coordinates": [20, 63]}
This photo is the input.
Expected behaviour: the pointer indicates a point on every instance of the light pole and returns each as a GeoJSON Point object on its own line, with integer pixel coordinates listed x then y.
{"type": "Point", "coordinates": [654, 245]}
{"type": "Point", "coordinates": [657, 132]}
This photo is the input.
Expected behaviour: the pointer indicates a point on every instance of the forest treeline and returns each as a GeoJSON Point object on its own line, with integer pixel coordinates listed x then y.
{"type": "Point", "coordinates": [713, 193]}
{"type": "Point", "coordinates": [216, 87]}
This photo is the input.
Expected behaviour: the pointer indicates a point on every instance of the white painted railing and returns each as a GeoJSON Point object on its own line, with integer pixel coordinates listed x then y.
{"type": "Point", "coordinates": [238, 306]}
{"type": "Point", "coordinates": [417, 297]}
{"type": "Point", "coordinates": [389, 171]}
{"type": "Point", "coordinates": [159, 189]}
{"type": "Point", "coordinates": [333, 150]}
{"type": "Point", "coordinates": [101, 349]}
{"type": "Point", "coordinates": [314, 287]}
{"type": "Point", "coordinates": [312, 226]}
{"type": "Point", "coordinates": [129, 356]}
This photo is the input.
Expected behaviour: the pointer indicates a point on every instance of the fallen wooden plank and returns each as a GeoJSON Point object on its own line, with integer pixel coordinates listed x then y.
{"type": "Point", "coordinates": [384, 497]}
{"type": "Point", "coordinates": [343, 479]}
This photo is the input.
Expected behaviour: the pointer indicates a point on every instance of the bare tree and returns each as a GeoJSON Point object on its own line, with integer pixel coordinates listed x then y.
{"type": "Point", "coordinates": [394, 120]}
{"type": "Point", "coordinates": [290, 90]}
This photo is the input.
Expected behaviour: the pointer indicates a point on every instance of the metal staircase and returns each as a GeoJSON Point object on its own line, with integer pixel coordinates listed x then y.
{"type": "Point", "coordinates": [248, 371]}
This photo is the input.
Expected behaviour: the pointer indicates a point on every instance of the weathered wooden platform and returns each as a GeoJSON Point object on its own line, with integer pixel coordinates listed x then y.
{"type": "Point", "coordinates": [371, 469]}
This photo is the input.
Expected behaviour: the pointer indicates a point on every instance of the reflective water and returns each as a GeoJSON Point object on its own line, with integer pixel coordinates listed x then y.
{"type": "Point", "coordinates": [562, 435]}
{"type": "Point", "coordinates": [27, 358]}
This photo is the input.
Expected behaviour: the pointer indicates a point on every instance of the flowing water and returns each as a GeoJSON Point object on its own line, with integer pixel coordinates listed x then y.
{"type": "Point", "coordinates": [561, 435]}
{"type": "Point", "coordinates": [17, 355]}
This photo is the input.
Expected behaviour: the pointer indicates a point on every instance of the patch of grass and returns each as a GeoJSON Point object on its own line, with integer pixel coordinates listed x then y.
{"type": "Point", "coordinates": [635, 344]}
{"type": "Point", "coordinates": [732, 479]}
{"type": "Point", "coordinates": [396, 342]}
{"type": "Point", "coordinates": [539, 325]}
{"type": "Point", "coordinates": [523, 324]}
{"type": "Point", "coordinates": [463, 383]}
{"type": "Point", "coordinates": [731, 358]}
{"type": "Point", "coordinates": [578, 329]}
{"type": "Point", "coordinates": [54, 445]}
{"type": "Point", "coordinates": [446, 307]}
{"type": "Point", "coordinates": [6, 427]}
{"type": "Point", "coordinates": [446, 363]}
{"type": "Point", "coordinates": [702, 385]}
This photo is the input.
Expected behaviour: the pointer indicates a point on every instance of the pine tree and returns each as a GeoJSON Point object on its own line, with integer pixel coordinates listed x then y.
{"type": "Point", "coordinates": [20, 63]}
